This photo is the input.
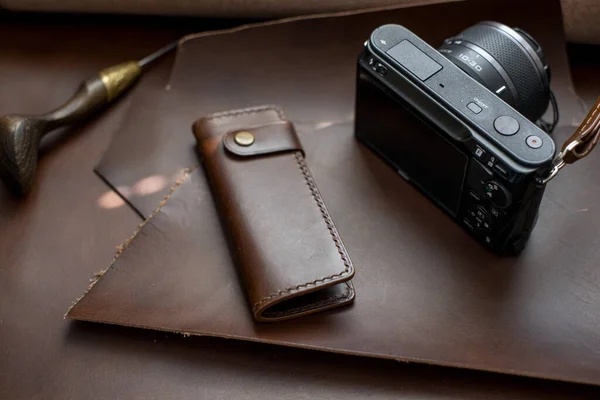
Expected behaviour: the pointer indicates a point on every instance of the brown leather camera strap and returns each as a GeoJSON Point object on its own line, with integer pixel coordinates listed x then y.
{"type": "Point", "coordinates": [580, 144]}
{"type": "Point", "coordinates": [585, 137]}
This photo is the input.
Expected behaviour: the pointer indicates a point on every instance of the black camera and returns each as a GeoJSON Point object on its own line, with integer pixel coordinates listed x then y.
{"type": "Point", "coordinates": [460, 123]}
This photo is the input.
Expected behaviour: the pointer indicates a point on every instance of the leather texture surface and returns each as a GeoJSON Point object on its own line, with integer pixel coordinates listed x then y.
{"type": "Point", "coordinates": [426, 292]}
{"type": "Point", "coordinates": [580, 20]}
{"type": "Point", "coordinates": [429, 293]}
{"type": "Point", "coordinates": [207, 8]}
{"type": "Point", "coordinates": [286, 247]}
{"type": "Point", "coordinates": [65, 231]}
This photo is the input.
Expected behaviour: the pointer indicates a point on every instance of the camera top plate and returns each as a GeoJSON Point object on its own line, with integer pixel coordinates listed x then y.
{"type": "Point", "coordinates": [490, 120]}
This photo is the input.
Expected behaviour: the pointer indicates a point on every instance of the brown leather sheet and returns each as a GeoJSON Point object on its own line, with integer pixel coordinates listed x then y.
{"type": "Point", "coordinates": [51, 243]}
{"type": "Point", "coordinates": [426, 292]}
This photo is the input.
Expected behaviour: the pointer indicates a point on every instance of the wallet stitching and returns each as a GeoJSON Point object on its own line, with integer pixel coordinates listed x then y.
{"type": "Point", "coordinates": [330, 300]}
{"type": "Point", "coordinates": [332, 231]}
{"type": "Point", "coordinates": [326, 217]}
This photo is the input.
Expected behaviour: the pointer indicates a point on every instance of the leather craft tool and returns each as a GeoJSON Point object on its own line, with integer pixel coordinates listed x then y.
{"type": "Point", "coordinates": [20, 135]}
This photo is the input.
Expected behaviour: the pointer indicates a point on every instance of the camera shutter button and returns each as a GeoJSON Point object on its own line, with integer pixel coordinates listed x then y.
{"type": "Point", "coordinates": [506, 125]}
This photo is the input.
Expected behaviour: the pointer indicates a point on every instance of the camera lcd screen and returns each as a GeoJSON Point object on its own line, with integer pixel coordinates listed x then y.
{"type": "Point", "coordinates": [411, 144]}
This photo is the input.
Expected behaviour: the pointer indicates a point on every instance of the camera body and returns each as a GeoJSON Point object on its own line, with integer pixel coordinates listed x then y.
{"type": "Point", "coordinates": [459, 143]}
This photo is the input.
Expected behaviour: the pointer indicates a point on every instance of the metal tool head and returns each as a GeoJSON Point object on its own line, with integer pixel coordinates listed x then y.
{"type": "Point", "coordinates": [158, 54]}
{"type": "Point", "coordinates": [19, 146]}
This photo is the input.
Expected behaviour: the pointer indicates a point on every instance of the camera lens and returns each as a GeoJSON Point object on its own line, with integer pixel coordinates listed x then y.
{"type": "Point", "coordinates": [507, 61]}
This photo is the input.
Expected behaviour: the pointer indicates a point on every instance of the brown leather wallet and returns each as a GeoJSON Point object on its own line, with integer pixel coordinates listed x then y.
{"type": "Point", "coordinates": [289, 254]}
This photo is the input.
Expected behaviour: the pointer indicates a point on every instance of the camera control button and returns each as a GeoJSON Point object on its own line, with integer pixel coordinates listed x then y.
{"type": "Point", "coordinates": [474, 107]}
{"type": "Point", "coordinates": [479, 218]}
{"type": "Point", "coordinates": [468, 224]}
{"type": "Point", "coordinates": [474, 196]}
{"type": "Point", "coordinates": [535, 142]}
{"type": "Point", "coordinates": [479, 152]}
{"type": "Point", "coordinates": [496, 213]}
{"type": "Point", "coordinates": [497, 194]}
{"type": "Point", "coordinates": [506, 125]}
{"type": "Point", "coordinates": [381, 69]}
{"type": "Point", "coordinates": [501, 170]}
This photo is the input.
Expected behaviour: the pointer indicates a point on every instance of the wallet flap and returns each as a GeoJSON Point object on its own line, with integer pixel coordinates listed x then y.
{"type": "Point", "coordinates": [263, 139]}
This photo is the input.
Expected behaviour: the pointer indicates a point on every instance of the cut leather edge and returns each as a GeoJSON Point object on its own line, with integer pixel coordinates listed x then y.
{"type": "Point", "coordinates": [121, 247]}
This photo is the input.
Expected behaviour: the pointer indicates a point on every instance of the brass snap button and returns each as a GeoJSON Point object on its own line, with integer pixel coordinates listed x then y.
{"type": "Point", "coordinates": [244, 138]}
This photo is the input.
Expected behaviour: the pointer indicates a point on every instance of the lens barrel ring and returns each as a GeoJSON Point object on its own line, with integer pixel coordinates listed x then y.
{"type": "Point", "coordinates": [520, 57]}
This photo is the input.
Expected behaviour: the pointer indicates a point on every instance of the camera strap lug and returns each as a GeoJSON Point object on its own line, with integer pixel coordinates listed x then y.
{"type": "Point", "coordinates": [579, 145]}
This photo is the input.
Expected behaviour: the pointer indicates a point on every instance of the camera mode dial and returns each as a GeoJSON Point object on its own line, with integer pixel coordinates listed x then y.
{"type": "Point", "coordinates": [497, 194]}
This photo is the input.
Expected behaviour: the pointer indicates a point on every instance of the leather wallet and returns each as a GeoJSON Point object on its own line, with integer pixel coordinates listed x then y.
{"type": "Point", "coordinates": [289, 254]}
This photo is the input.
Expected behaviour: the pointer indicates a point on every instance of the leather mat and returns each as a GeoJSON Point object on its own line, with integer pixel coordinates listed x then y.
{"type": "Point", "coordinates": [426, 292]}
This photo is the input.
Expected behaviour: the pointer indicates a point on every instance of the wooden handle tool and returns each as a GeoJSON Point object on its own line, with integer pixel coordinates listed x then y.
{"type": "Point", "coordinates": [20, 135]}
